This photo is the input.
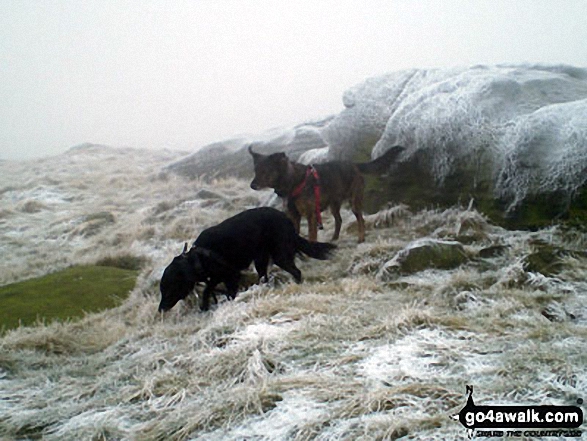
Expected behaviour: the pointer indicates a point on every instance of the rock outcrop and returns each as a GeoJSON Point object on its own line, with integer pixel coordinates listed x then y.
{"type": "Point", "coordinates": [231, 158]}
{"type": "Point", "coordinates": [511, 138]}
{"type": "Point", "coordinates": [424, 254]}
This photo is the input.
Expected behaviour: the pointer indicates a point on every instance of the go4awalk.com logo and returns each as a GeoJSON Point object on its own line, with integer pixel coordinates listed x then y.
{"type": "Point", "coordinates": [518, 421]}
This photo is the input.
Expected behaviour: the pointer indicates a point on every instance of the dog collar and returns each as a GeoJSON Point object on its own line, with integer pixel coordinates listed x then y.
{"type": "Point", "coordinates": [213, 255]}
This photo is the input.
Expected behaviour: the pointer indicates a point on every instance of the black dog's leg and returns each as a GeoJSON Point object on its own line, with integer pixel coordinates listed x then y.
{"type": "Point", "coordinates": [208, 292]}
{"type": "Point", "coordinates": [261, 264]}
{"type": "Point", "coordinates": [232, 286]}
{"type": "Point", "coordinates": [289, 266]}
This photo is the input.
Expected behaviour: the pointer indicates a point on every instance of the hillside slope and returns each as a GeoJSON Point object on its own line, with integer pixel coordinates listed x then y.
{"type": "Point", "coordinates": [366, 348]}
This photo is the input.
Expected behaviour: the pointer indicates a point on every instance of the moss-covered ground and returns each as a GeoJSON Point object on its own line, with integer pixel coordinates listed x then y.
{"type": "Point", "coordinates": [64, 295]}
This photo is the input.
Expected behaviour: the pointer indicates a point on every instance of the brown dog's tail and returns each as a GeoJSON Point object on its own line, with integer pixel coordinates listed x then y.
{"type": "Point", "coordinates": [381, 164]}
{"type": "Point", "coordinates": [316, 250]}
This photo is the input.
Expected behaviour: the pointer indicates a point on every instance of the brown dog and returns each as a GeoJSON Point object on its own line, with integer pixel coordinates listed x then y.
{"type": "Point", "coordinates": [310, 189]}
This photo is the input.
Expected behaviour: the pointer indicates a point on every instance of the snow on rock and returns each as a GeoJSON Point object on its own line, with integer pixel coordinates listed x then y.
{"type": "Point", "coordinates": [231, 157]}
{"type": "Point", "coordinates": [368, 107]}
{"type": "Point", "coordinates": [514, 138]}
{"type": "Point", "coordinates": [314, 156]}
{"type": "Point", "coordinates": [424, 254]}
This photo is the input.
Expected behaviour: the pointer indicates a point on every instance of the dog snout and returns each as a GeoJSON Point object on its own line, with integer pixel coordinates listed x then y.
{"type": "Point", "coordinates": [254, 185]}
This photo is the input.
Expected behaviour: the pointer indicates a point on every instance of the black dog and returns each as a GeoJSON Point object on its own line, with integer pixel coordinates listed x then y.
{"type": "Point", "coordinates": [221, 252]}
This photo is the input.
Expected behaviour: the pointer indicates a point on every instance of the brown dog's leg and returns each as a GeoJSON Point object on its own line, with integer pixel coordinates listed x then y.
{"type": "Point", "coordinates": [312, 228]}
{"type": "Point", "coordinates": [296, 218]}
{"type": "Point", "coordinates": [357, 205]}
{"type": "Point", "coordinates": [361, 223]}
{"type": "Point", "coordinates": [312, 222]}
{"type": "Point", "coordinates": [335, 210]}
{"type": "Point", "coordinates": [293, 214]}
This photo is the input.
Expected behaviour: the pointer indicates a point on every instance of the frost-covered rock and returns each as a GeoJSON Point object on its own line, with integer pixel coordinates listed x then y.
{"type": "Point", "coordinates": [231, 158]}
{"type": "Point", "coordinates": [424, 254]}
{"type": "Point", "coordinates": [314, 156]}
{"type": "Point", "coordinates": [209, 160]}
{"type": "Point", "coordinates": [513, 138]}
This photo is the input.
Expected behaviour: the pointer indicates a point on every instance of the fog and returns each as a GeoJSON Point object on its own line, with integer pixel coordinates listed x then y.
{"type": "Point", "coordinates": [183, 74]}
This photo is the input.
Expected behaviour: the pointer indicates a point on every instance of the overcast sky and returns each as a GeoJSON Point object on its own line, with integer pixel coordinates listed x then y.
{"type": "Point", "coordinates": [182, 74]}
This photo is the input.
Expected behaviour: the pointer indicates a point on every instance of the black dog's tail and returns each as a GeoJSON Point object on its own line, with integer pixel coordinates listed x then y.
{"type": "Point", "coordinates": [381, 164]}
{"type": "Point", "coordinates": [316, 250]}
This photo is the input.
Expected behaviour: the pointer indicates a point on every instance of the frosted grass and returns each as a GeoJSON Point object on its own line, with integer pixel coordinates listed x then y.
{"type": "Point", "coordinates": [340, 356]}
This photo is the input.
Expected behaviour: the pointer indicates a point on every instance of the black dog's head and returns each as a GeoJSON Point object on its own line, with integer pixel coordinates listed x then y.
{"type": "Point", "coordinates": [270, 170]}
{"type": "Point", "coordinates": [179, 279]}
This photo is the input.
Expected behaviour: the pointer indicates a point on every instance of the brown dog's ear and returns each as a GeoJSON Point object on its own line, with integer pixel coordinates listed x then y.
{"type": "Point", "coordinates": [255, 155]}
{"type": "Point", "coordinates": [282, 157]}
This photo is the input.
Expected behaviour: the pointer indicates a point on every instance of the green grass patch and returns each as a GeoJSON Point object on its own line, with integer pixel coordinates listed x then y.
{"type": "Point", "coordinates": [64, 295]}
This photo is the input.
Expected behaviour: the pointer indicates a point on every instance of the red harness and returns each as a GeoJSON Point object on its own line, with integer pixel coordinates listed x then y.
{"type": "Point", "coordinates": [311, 171]}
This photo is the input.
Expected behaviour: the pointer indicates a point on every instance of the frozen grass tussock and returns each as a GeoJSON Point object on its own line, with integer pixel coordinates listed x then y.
{"type": "Point", "coordinates": [364, 348]}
